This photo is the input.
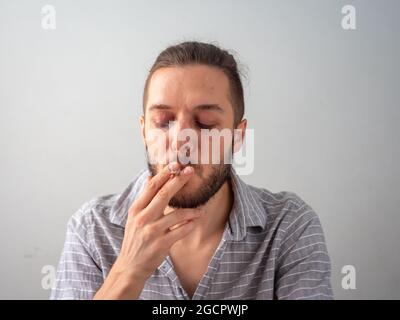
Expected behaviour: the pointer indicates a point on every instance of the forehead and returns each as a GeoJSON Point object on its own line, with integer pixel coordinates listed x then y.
{"type": "Point", "coordinates": [189, 86]}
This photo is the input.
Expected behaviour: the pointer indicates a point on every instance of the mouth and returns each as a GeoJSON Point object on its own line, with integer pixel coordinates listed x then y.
{"type": "Point", "coordinates": [177, 171]}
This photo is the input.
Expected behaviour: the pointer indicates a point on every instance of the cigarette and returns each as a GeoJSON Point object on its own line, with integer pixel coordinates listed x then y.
{"type": "Point", "coordinates": [176, 172]}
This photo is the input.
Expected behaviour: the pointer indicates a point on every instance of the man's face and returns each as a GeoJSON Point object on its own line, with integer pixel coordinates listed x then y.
{"type": "Point", "coordinates": [190, 99]}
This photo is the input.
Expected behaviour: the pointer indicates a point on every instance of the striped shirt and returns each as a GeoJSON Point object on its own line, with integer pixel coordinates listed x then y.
{"type": "Point", "coordinates": [273, 247]}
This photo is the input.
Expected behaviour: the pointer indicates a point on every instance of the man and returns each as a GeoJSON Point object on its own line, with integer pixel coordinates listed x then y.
{"type": "Point", "coordinates": [189, 229]}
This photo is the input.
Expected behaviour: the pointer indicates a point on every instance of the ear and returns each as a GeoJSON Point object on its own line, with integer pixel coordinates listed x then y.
{"type": "Point", "coordinates": [142, 127]}
{"type": "Point", "coordinates": [238, 135]}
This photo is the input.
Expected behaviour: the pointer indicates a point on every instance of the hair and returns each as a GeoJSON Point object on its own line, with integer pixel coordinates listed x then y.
{"type": "Point", "coordinates": [192, 53]}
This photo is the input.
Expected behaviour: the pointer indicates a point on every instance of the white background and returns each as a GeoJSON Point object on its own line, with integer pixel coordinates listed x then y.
{"type": "Point", "coordinates": [324, 104]}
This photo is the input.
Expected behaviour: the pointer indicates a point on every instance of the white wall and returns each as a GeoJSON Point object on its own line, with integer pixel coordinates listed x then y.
{"type": "Point", "coordinates": [323, 102]}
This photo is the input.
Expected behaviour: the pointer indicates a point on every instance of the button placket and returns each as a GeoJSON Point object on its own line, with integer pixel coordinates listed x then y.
{"type": "Point", "coordinates": [203, 286]}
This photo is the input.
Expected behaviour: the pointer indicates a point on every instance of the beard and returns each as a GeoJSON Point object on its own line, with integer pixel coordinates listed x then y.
{"type": "Point", "coordinates": [209, 186]}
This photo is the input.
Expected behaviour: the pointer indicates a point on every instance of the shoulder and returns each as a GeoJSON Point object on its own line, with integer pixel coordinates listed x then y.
{"type": "Point", "coordinates": [103, 209]}
{"type": "Point", "coordinates": [102, 218]}
{"type": "Point", "coordinates": [285, 210]}
{"type": "Point", "coordinates": [93, 220]}
{"type": "Point", "coordinates": [95, 210]}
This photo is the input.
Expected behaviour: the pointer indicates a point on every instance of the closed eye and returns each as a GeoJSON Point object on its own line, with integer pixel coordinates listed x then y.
{"type": "Point", "coordinates": [161, 125]}
{"type": "Point", "coordinates": [204, 126]}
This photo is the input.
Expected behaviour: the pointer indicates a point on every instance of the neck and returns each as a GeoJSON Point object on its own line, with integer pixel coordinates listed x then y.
{"type": "Point", "coordinates": [213, 221]}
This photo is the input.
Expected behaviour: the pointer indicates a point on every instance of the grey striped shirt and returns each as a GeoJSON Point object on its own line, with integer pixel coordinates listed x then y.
{"type": "Point", "coordinates": [273, 247]}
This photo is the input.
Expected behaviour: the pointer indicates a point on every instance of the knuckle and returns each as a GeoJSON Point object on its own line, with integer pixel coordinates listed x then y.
{"type": "Point", "coordinates": [140, 221]}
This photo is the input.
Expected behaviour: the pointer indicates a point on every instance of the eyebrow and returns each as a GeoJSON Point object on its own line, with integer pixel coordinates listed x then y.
{"type": "Point", "coordinates": [212, 107]}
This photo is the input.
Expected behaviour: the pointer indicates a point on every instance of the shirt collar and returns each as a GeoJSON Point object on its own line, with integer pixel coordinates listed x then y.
{"type": "Point", "coordinates": [247, 210]}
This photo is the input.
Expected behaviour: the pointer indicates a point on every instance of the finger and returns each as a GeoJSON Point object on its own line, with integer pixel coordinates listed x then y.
{"type": "Point", "coordinates": [153, 185]}
{"type": "Point", "coordinates": [178, 233]}
{"type": "Point", "coordinates": [157, 205]}
{"type": "Point", "coordinates": [177, 217]}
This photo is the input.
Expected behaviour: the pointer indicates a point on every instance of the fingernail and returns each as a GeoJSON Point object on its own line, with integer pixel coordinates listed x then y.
{"type": "Point", "coordinates": [188, 170]}
{"type": "Point", "coordinates": [173, 166]}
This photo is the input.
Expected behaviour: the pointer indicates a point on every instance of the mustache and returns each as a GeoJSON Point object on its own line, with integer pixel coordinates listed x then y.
{"type": "Point", "coordinates": [191, 161]}
{"type": "Point", "coordinates": [198, 169]}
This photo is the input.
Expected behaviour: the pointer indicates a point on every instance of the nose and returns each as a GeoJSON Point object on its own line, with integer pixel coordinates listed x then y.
{"type": "Point", "coordinates": [177, 134]}
{"type": "Point", "coordinates": [183, 138]}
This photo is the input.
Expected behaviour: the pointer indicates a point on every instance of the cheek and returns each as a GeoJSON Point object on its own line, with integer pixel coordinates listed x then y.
{"type": "Point", "coordinates": [157, 146]}
{"type": "Point", "coordinates": [214, 151]}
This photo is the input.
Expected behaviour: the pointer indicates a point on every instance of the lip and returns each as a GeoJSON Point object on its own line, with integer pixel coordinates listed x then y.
{"type": "Point", "coordinates": [176, 172]}
{"type": "Point", "coordinates": [179, 170]}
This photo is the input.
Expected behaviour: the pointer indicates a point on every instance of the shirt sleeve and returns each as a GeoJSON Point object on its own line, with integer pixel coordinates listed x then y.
{"type": "Point", "coordinates": [304, 267]}
{"type": "Point", "coordinates": [78, 275]}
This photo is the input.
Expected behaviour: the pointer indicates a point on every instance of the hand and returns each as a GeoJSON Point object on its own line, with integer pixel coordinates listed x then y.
{"type": "Point", "coordinates": [149, 234]}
